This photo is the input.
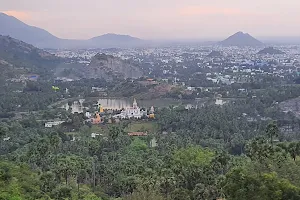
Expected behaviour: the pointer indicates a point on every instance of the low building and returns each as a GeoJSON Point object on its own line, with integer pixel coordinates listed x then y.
{"type": "Point", "coordinates": [137, 134]}
{"type": "Point", "coordinates": [94, 135]}
{"type": "Point", "coordinates": [6, 139]}
{"type": "Point", "coordinates": [54, 123]}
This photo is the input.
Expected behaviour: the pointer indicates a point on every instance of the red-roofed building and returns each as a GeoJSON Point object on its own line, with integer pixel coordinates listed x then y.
{"type": "Point", "coordinates": [137, 134]}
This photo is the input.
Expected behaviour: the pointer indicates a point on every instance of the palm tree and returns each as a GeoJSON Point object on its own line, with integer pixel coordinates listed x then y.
{"type": "Point", "coordinates": [67, 166]}
{"type": "Point", "coordinates": [3, 130]}
{"type": "Point", "coordinates": [81, 176]}
{"type": "Point", "coordinates": [294, 150]}
{"type": "Point", "coordinates": [272, 131]}
{"type": "Point", "coordinates": [114, 133]}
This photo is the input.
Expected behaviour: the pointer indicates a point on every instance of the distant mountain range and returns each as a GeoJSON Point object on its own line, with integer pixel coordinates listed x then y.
{"type": "Point", "coordinates": [11, 26]}
{"type": "Point", "coordinates": [241, 39]}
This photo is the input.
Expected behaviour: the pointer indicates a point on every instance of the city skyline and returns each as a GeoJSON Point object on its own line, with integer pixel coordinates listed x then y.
{"type": "Point", "coordinates": [168, 19]}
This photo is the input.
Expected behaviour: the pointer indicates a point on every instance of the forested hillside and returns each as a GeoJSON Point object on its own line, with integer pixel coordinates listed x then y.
{"type": "Point", "coordinates": [17, 57]}
{"type": "Point", "coordinates": [204, 157]}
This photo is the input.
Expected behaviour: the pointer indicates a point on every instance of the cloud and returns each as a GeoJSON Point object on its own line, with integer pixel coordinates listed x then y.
{"type": "Point", "coordinates": [199, 10]}
{"type": "Point", "coordinates": [18, 14]}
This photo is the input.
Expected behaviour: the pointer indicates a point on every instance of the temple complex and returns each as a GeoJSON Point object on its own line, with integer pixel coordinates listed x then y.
{"type": "Point", "coordinates": [131, 112]}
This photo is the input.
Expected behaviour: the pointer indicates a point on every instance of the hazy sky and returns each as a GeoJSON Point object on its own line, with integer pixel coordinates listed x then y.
{"type": "Point", "coordinates": [159, 19]}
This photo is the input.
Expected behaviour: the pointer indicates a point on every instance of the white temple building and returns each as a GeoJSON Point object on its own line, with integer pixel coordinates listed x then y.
{"type": "Point", "coordinates": [131, 112]}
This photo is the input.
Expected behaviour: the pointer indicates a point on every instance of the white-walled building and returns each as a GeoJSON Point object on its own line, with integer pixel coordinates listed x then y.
{"type": "Point", "coordinates": [131, 112]}
{"type": "Point", "coordinates": [51, 124]}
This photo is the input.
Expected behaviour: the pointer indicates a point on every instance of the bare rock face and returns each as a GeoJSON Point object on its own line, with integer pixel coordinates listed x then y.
{"type": "Point", "coordinates": [107, 67]}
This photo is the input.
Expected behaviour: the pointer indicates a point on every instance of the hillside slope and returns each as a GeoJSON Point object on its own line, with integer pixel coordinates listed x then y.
{"type": "Point", "coordinates": [13, 27]}
{"type": "Point", "coordinates": [19, 57]}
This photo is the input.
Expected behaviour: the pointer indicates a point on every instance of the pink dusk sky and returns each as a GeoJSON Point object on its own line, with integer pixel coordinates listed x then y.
{"type": "Point", "coordinates": [158, 19]}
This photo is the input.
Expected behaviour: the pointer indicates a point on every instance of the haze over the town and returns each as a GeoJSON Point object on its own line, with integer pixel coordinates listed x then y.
{"type": "Point", "coordinates": [158, 19]}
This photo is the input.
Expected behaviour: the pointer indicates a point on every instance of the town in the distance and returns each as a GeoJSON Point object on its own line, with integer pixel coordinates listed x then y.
{"type": "Point", "coordinates": [116, 117]}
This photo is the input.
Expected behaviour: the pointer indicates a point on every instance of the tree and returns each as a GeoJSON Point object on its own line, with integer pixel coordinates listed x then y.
{"type": "Point", "coordinates": [141, 194]}
{"type": "Point", "coordinates": [19, 182]}
{"type": "Point", "coordinates": [293, 149]}
{"type": "Point", "coordinates": [222, 160]}
{"type": "Point", "coordinates": [81, 176]}
{"type": "Point", "coordinates": [203, 192]}
{"type": "Point", "coordinates": [241, 185]}
{"type": "Point", "coordinates": [3, 130]}
{"type": "Point", "coordinates": [272, 131]}
{"type": "Point", "coordinates": [62, 193]}
{"type": "Point", "coordinates": [67, 166]}
{"type": "Point", "coordinates": [180, 193]}
{"type": "Point", "coordinates": [166, 182]}
{"type": "Point", "coordinates": [258, 149]}
{"type": "Point", "coordinates": [114, 133]}
{"type": "Point", "coordinates": [76, 121]}
{"type": "Point", "coordinates": [47, 182]}
{"type": "Point", "coordinates": [55, 141]}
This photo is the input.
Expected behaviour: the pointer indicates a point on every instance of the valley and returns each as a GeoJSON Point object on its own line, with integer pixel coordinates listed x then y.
{"type": "Point", "coordinates": [108, 119]}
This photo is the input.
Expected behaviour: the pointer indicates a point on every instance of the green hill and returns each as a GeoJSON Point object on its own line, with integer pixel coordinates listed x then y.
{"type": "Point", "coordinates": [17, 57]}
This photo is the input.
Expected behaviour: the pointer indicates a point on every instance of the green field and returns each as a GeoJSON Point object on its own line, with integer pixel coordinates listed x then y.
{"type": "Point", "coordinates": [72, 133]}
{"type": "Point", "coordinates": [96, 129]}
{"type": "Point", "coordinates": [150, 127]}
{"type": "Point", "coordinates": [87, 131]}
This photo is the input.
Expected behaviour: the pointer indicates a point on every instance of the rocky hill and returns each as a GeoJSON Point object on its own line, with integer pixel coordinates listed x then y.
{"type": "Point", "coordinates": [102, 66]}
{"type": "Point", "coordinates": [271, 51]}
{"type": "Point", "coordinates": [241, 39]}
{"type": "Point", "coordinates": [107, 66]}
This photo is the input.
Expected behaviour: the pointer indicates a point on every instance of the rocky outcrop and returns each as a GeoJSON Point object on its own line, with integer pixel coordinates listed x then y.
{"type": "Point", "coordinates": [107, 67]}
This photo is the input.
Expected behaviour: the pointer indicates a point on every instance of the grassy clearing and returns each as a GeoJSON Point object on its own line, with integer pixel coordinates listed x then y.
{"type": "Point", "coordinates": [72, 133]}
{"type": "Point", "coordinates": [150, 127]}
{"type": "Point", "coordinates": [96, 129]}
